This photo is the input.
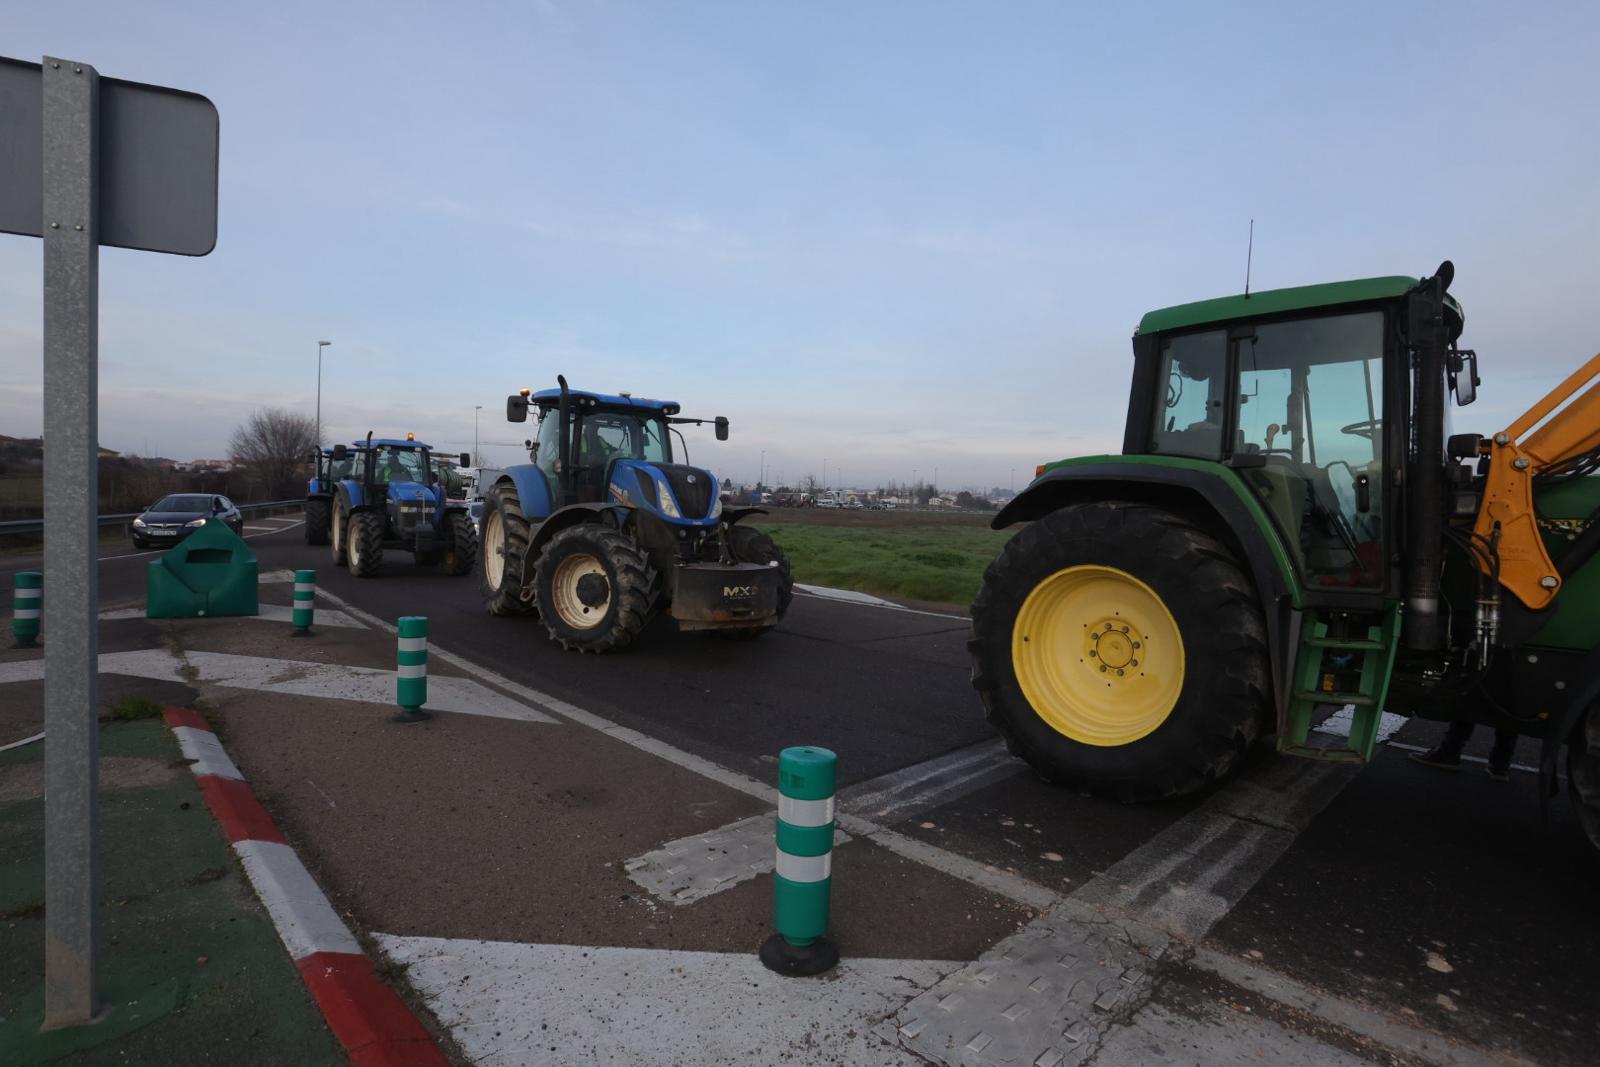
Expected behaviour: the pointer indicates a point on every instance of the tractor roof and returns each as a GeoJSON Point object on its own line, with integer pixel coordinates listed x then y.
{"type": "Point", "coordinates": [393, 442]}
{"type": "Point", "coordinates": [548, 397]}
{"type": "Point", "coordinates": [1273, 301]}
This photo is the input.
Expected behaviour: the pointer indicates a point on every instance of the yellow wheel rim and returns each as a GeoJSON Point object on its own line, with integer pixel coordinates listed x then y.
{"type": "Point", "coordinates": [1098, 655]}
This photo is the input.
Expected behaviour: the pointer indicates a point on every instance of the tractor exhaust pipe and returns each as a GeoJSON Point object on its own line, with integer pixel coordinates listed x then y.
{"type": "Point", "coordinates": [564, 451]}
{"type": "Point", "coordinates": [1429, 337]}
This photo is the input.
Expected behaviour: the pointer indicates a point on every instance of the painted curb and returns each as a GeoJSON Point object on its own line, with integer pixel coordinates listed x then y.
{"type": "Point", "coordinates": [376, 1027]}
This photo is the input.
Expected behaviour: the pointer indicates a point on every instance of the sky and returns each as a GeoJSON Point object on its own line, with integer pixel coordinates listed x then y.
{"type": "Point", "coordinates": [890, 238]}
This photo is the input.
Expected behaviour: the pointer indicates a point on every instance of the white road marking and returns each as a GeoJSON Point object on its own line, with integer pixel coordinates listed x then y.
{"type": "Point", "coordinates": [331, 681]}
{"type": "Point", "coordinates": [305, 921]}
{"type": "Point", "coordinates": [1402, 746]}
{"type": "Point", "coordinates": [269, 613]}
{"type": "Point", "coordinates": [1339, 723]}
{"type": "Point", "coordinates": [513, 1005]}
{"type": "Point", "coordinates": [695, 867]}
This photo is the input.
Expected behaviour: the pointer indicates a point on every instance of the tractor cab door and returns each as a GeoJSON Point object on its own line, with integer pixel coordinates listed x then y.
{"type": "Point", "coordinates": [1309, 401]}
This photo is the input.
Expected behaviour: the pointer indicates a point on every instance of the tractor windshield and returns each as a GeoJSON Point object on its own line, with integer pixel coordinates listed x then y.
{"type": "Point", "coordinates": [391, 464]}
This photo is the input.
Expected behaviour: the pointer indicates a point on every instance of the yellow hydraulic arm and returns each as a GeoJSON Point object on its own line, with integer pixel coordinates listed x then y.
{"type": "Point", "coordinates": [1515, 456]}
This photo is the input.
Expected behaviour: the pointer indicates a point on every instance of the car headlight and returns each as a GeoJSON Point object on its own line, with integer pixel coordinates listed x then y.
{"type": "Point", "coordinates": [196, 522]}
{"type": "Point", "coordinates": [139, 523]}
{"type": "Point", "coordinates": [669, 506]}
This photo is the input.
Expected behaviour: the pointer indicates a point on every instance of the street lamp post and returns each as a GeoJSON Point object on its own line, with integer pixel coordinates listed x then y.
{"type": "Point", "coordinates": [477, 458]}
{"type": "Point", "coordinates": [762, 478]}
{"type": "Point", "coordinates": [320, 346]}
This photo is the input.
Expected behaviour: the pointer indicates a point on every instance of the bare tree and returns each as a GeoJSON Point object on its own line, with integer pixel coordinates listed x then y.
{"type": "Point", "coordinates": [273, 446]}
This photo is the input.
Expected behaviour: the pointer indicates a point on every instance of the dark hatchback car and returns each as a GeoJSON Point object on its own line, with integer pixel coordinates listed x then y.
{"type": "Point", "coordinates": [171, 519]}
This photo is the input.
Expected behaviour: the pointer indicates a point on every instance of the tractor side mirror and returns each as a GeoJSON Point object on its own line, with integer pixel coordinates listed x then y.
{"type": "Point", "coordinates": [516, 408]}
{"type": "Point", "coordinates": [1464, 377]}
{"type": "Point", "coordinates": [340, 453]}
{"type": "Point", "coordinates": [722, 427]}
{"type": "Point", "coordinates": [466, 459]}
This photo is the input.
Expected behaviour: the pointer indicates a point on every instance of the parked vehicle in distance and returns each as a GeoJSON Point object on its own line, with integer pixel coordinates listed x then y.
{"type": "Point", "coordinates": [172, 518]}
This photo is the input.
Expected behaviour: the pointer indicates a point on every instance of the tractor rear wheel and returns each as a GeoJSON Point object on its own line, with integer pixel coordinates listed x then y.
{"type": "Point", "coordinates": [1583, 775]}
{"type": "Point", "coordinates": [366, 543]}
{"type": "Point", "coordinates": [750, 545]}
{"type": "Point", "coordinates": [504, 551]}
{"type": "Point", "coordinates": [1120, 649]}
{"type": "Point", "coordinates": [319, 514]}
{"type": "Point", "coordinates": [595, 588]}
{"type": "Point", "coordinates": [338, 532]}
{"type": "Point", "coordinates": [463, 550]}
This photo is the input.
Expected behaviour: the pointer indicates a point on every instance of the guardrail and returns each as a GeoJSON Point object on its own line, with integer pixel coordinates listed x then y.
{"type": "Point", "coordinates": [24, 527]}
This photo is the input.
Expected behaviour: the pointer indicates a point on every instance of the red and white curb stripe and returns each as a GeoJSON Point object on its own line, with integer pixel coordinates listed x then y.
{"type": "Point", "coordinates": [369, 1019]}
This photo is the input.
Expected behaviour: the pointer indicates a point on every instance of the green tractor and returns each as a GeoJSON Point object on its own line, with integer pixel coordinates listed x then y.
{"type": "Point", "coordinates": [1290, 532]}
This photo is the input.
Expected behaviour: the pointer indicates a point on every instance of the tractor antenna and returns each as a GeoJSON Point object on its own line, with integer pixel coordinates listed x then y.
{"type": "Point", "coordinates": [1249, 254]}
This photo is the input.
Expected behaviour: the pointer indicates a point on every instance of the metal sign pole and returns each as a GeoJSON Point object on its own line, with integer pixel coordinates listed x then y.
{"type": "Point", "coordinates": [71, 414]}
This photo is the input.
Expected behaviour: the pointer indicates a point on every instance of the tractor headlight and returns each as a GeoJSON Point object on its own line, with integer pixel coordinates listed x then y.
{"type": "Point", "coordinates": [716, 507]}
{"type": "Point", "coordinates": [669, 506]}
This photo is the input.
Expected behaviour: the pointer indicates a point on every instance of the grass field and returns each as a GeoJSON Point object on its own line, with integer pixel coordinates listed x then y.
{"type": "Point", "coordinates": [931, 556]}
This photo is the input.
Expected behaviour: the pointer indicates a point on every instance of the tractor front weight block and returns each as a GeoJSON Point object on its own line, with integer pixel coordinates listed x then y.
{"type": "Point", "coordinates": [715, 596]}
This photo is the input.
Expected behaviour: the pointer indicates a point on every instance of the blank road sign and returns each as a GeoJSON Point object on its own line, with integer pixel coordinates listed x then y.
{"type": "Point", "coordinates": [158, 163]}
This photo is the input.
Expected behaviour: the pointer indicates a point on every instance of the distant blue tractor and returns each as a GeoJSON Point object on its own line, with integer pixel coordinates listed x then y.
{"type": "Point", "coordinates": [386, 494]}
{"type": "Point", "coordinates": [603, 529]}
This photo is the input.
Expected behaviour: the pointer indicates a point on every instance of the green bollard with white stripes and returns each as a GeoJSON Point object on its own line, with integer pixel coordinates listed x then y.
{"type": "Point", "coordinates": [305, 599]}
{"type": "Point", "coordinates": [27, 599]}
{"type": "Point", "coordinates": [411, 679]}
{"type": "Point", "coordinates": [805, 864]}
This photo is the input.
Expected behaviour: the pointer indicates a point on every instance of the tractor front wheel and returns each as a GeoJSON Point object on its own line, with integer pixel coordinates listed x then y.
{"type": "Point", "coordinates": [504, 551]}
{"type": "Point", "coordinates": [595, 588]}
{"type": "Point", "coordinates": [463, 550]}
{"type": "Point", "coordinates": [366, 543]}
{"type": "Point", "coordinates": [1583, 774]}
{"type": "Point", "coordinates": [1121, 650]}
{"type": "Point", "coordinates": [750, 545]}
{"type": "Point", "coordinates": [319, 514]}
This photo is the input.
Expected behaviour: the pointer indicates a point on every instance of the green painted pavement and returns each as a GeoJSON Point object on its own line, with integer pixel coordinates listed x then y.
{"type": "Point", "coordinates": [172, 895]}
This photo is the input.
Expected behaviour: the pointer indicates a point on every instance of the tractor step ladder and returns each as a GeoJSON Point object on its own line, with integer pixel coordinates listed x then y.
{"type": "Point", "coordinates": [1322, 660]}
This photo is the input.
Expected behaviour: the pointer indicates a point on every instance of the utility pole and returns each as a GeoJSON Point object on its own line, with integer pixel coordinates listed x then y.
{"type": "Point", "coordinates": [320, 346]}
{"type": "Point", "coordinates": [477, 457]}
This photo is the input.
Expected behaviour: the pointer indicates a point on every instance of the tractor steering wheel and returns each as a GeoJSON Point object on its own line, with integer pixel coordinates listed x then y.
{"type": "Point", "coordinates": [1366, 428]}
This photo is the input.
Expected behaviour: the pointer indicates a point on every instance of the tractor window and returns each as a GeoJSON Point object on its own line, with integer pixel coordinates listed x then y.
{"type": "Point", "coordinates": [548, 449]}
{"type": "Point", "coordinates": [1310, 401]}
{"type": "Point", "coordinates": [1189, 411]}
{"type": "Point", "coordinates": [398, 465]}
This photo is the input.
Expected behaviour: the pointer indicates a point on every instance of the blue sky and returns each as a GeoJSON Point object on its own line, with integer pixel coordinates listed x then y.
{"type": "Point", "coordinates": [891, 236]}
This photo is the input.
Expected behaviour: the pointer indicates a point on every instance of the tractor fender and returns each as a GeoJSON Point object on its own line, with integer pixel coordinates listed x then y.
{"type": "Point", "coordinates": [1207, 494]}
{"type": "Point", "coordinates": [733, 515]}
{"type": "Point", "coordinates": [574, 515]}
{"type": "Point", "coordinates": [532, 490]}
{"type": "Point", "coordinates": [352, 494]}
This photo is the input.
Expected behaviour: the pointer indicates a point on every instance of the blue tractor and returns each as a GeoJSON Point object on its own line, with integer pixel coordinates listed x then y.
{"type": "Point", "coordinates": [603, 529]}
{"type": "Point", "coordinates": [382, 494]}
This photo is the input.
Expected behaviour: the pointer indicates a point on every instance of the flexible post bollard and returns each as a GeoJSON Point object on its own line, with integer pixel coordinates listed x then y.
{"type": "Point", "coordinates": [27, 598]}
{"type": "Point", "coordinates": [805, 864]}
{"type": "Point", "coordinates": [305, 601]}
{"type": "Point", "coordinates": [411, 679]}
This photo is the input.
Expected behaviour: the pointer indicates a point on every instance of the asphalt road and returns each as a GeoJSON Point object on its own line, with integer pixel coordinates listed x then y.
{"type": "Point", "coordinates": [1439, 897]}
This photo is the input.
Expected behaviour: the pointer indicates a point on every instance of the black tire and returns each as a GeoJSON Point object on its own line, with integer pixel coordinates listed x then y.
{"type": "Point", "coordinates": [339, 537]}
{"type": "Point", "coordinates": [1583, 774]}
{"type": "Point", "coordinates": [1222, 703]}
{"type": "Point", "coordinates": [319, 515]}
{"type": "Point", "coordinates": [503, 553]}
{"type": "Point", "coordinates": [463, 551]}
{"type": "Point", "coordinates": [615, 572]}
{"type": "Point", "coordinates": [366, 543]}
{"type": "Point", "coordinates": [750, 545]}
